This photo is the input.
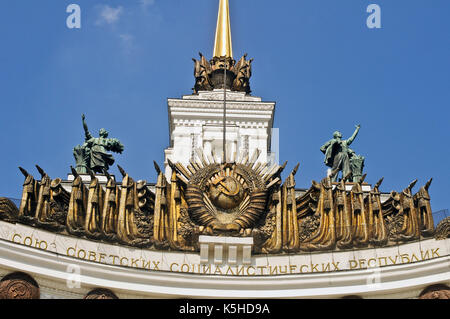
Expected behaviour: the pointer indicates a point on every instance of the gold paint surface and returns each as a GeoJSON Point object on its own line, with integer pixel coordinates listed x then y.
{"type": "Point", "coordinates": [223, 46]}
{"type": "Point", "coordinates": [226, 192]}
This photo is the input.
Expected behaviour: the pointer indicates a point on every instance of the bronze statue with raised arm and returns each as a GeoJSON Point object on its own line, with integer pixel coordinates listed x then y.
{"type": "Point", "coordinates": [93, 153]}
{"type": "Point", "coordinates": [338, 154]}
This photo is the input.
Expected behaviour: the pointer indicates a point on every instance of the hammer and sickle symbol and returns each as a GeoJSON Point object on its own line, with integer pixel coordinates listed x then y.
{"type": "Point", "coordinates": [224, 188]}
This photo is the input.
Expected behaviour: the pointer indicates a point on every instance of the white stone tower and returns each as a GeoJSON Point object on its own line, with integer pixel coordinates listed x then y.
{"type": "Point", "coordinates": [196, 121]}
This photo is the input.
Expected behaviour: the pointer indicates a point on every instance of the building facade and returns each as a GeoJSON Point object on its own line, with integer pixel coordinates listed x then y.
{"type": "Point", "coordinates": [219, 222]}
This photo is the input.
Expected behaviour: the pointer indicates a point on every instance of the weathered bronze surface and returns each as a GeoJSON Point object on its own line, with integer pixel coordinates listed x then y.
{"type": "Point", "coordinates": [77, 206]}
{"type": "Point", "coordinates": [209, 75]}
{"type": "Point", "coordinates": [438, 294]}
{"type": "Point", "coordinates": [377, 227]}
{"type": "Point", "coordinates": [110, 213]}
{"type": "Point", "coordinates": [339, 157]}
{"type": "Point", "coordinates": [422, 202]}
{"type": "Point", "coordinates": [360, 226]}
{"type": "Point", "coordinates": [44, 203]}
{"type": "Point", "coordinates": [438, 291]}
{"type": "Point", "coordinates": [324, 238]}
{"type": "Point", "coordinates": [92, 154]}
{"type": "Point", "coordinates": [243, 72]}
{"type": "Point", "coordinates": [443, 229]}
{"type": "Point", "coordinates": [343, 215]}
{"type": "Point", "coordinates": [96, 194]}
{"type": "Point", "coordinates": [101, 293]}
{"type": "Point", "coordinates": [28, 203]}
{"type": "Point", "coordinates": [19, 286]}
{"type": "Point", "coordinates": [410, 228]}
{"type": "Point", "coordinates": [220, 199]}
{"type": "Point", "coordinates": [241, 198]}
{"type": "Point", "coordinates": [8, 210]}
{"type": "Point", "coordinates": [133, 224]}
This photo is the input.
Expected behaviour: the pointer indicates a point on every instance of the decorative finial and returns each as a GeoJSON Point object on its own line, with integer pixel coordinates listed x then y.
{"type": "Point", "coordinates": [223, 46]}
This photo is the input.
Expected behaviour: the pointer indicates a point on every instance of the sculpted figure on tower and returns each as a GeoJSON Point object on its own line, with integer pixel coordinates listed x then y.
{"type": "Point", "coordinates": [340, 158]}
{"type": "Point", "coordinates": [93, 153]}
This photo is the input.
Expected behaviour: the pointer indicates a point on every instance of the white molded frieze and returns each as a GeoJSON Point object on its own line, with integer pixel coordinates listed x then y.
{"type": "Point", "coordinates": [226, 250]}
{"type": "Point", "coordinates": [217, 94]}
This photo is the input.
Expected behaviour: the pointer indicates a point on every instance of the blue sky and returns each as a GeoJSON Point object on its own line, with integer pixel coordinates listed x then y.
{"type": "Point", "coordinates": [317, 59]}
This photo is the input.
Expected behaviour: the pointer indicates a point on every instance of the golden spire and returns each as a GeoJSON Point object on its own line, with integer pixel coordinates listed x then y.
{"type": "Point", "coordinates": [223, 46]}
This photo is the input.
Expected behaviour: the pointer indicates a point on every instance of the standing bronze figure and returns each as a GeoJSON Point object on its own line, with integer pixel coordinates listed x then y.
{"type": "Point", "coordinates": [338, 155]}
{"type": "Point", "coordinates": [93, 153]}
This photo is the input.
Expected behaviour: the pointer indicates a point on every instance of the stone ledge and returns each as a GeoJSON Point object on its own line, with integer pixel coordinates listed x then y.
{"type": "Point", "coordinates": [397, 281]}
{"type": "Point", "coordinates": [87, 178]}
{"type": "Point", "coordinates": [217, 94]}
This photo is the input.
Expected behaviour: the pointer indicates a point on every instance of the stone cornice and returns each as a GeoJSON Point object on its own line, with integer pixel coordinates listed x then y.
{"type": "Point", "coordinates": [238, 105]}
{"type": "Point", "coordinates": [242, 110]}
{"type": "Point", "coordinates": [217, 94]}
{"type": "Point", "coordinates": [402, 274]}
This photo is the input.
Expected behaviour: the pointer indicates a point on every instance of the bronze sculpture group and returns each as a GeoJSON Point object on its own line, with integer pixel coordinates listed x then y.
{"type": "Point", "coordinates": [209, 74]}
{"type": "Point", "coordinates": [240, 198]}
{"type": "Point", "coordinates": [93, 153]}
{"type": "Point", "coordinates": [340, 157]}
